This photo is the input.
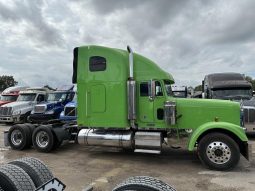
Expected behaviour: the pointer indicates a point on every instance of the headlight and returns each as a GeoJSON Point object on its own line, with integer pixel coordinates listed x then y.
{"type": "Point", "coordinates": [241, 115]}
{"type": "Point", "coordinates": [16, 112]}
{"type": "Point", "coordinates": [49, 112]}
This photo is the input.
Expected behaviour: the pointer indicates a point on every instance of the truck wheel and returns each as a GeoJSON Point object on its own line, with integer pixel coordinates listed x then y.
{"type": "Point", "coordinates": [14, 178]}
{"type": "Point", "coordinates": [19, 137]}
{"type": "Point", "coordinates": [218, 151]}
{"type": "Point", "coordinates": [43, 139]}
{"type": "Point", "coordinates": [36, 169]}
{"type": "Point", "coordinates": [143, 183]}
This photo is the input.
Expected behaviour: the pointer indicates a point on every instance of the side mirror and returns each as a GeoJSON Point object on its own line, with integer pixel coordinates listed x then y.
{"type": "Point", "coordinates": [203, 84]}
{"type": "Point", "coordinates": [152, 90]}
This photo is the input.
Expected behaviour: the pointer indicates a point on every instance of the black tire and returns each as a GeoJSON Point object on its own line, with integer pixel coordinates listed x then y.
{"type": "Point", "coordinates": [224, 153]}
{"type": "Point", "coordinates": [14, 178]}
{"type": "Point", "coordinates": [47, 141]}
{"type": "Point", "coordinates": [36, 169]}
{"type": "Point", "coordinates": [143, 183]}
{"type": "Point", "coordinates": [19, 137]}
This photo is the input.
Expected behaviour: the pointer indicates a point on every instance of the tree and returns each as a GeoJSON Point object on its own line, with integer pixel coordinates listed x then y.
{"type": "Point", "coordinates": [7, 81]}
{"type": "Point", "coordinates": [252, 81]}
{"type": "Point", "coordinates": [198, 88]}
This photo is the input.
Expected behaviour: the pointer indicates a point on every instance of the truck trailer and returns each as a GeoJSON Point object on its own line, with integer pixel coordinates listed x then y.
{"type": "Point", "coordinates": [125, 101]}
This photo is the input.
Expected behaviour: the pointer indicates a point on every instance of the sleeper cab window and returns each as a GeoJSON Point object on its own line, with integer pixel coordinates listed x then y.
{"type": "Point", "coordinates": [97, 63]}
{"type": "Point", "coordinates": [144, 89]}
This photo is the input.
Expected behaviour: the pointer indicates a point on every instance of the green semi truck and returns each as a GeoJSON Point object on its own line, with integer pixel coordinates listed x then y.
{"type": "Point", "coordinates": [125, 100]}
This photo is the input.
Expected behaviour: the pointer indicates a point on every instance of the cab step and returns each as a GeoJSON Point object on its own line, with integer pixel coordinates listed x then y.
{"type": "Point", "coordinates": [147, 151]}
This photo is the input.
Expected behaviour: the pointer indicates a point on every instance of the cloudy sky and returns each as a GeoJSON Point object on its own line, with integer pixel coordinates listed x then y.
{"type": "Point", "coordinates": [188, 38]}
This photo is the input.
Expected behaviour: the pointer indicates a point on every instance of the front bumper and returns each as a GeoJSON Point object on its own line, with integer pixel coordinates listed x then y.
{"type": "Point", "coordinates": [41, 117]}
{"type": "Point", "coordinates": [6, 119]}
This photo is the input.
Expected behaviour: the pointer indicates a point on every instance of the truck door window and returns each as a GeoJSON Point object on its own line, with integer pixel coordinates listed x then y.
{"type": "Point", "coordinates": [144, 89]}
{"type": "Point", "coordinates": [40, 98]}
{"type": "Point", "coordinates": [159, 91]}
{"type": "Point", "coordinates": [97, 63]}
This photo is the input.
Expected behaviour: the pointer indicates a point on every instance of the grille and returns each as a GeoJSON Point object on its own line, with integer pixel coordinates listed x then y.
{"type": "Point", "coordinates": [39, 108]}
{"type": "Point", "coordinates": [70, 111]}
{"type": "Point", "coordinates": [249, 114]}
{"type": "Point", "coordinates": [5, 111]}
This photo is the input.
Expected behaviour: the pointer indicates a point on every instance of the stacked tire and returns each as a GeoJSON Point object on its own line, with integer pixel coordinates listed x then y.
{"type": "Point", "coordinates": [24, 174]}
{"type": "Point", "coordinates": [143, 183]}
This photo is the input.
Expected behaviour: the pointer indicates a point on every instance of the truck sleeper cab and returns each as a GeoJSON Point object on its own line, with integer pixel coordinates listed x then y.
{"type": "Point", "coordinates": [125, 101]}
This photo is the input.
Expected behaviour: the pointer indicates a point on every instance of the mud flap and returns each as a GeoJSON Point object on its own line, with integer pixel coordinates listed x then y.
{"type": "Point", "coordinates": [247, 153]}
{"type": "Point", "coordinates": [6, 141]}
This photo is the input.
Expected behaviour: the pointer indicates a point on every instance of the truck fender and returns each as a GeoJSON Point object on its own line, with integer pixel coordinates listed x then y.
{"type": "Point", "coordinates": [60, 132]}
{"type": "Point", "coordinates": [235, 129]}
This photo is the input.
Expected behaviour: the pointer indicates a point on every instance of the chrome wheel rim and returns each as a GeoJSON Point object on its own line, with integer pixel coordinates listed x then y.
{"type": "Point", "coordinates": [218, 152]}
{"type": "Point", "coordinates": [16, 137]}
{"type": "Point", "coordinates": [42, 139]}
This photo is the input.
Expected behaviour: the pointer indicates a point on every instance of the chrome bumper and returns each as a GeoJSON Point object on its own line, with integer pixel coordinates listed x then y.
{"type": "Point", "coordinates": [6, 119]}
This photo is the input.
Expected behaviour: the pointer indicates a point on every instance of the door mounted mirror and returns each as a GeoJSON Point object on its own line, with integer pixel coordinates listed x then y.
{"type": "Point", "coordinates": [151, 87]}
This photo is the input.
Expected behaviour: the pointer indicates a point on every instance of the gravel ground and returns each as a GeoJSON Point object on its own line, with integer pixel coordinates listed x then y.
{"type": "Point", "coordinates": [79, 166]}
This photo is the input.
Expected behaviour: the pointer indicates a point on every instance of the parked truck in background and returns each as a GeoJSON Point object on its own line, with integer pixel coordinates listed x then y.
{"type": "Point", "coordinates": [70, 111]}
{"type": "Point", "coordinates": [53, 106]}
{"type": "Point", "coordinates": [125, 101]}
{"type": "Point", "coordinates": [19, 111]}
{"type": "Point", "coordinates": [10, 94]}
{"type": "Point", "coordinates": [232, 86]}
{"type": "Point", "coordinates": [180, 91]}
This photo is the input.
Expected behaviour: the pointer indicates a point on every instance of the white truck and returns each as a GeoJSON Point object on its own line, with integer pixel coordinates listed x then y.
{"type": "Point", "coordinates": [20, 110]}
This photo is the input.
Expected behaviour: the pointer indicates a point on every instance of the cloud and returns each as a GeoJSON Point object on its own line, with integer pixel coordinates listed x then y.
{"type": "Point", "coordinates": [186, 38]}
{"type": "Point", "coordinates": [30, 13]}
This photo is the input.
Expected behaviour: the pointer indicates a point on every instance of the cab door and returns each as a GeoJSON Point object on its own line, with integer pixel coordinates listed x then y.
{"type": "Point", "coordinates": [145, 105]}
{"type": "Point", "coordinates": [158, 104]}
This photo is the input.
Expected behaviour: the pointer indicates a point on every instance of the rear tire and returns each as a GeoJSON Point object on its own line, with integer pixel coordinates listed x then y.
{"type": "Point", "coordinates": [15, 178]}
{"type": "Point", "coordinates": [143, 183]}
{"type": "Point", "coordinates": [43, 139]}
{"type": "Point", "coordinates": [218, 151]}
{"type": "Point", "coordinates": [36, 169]}
{"type": "Point", "coordinates": [19, 137]}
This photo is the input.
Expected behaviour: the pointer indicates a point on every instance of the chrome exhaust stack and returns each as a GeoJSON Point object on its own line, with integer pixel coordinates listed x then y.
{"type": "Point", "coordinates": [120, 139]}
{"type": "Point", "coordinates": [131, 90]}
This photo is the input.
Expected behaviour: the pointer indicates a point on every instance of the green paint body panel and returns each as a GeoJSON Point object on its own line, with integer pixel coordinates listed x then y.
{"type": "Point", "coordinates": [102, 98]}
{"type": "Point", "coordinates": [235, 129]}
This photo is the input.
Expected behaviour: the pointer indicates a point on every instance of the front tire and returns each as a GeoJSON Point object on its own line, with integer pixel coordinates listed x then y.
{"type": "Point", "coordinates": [218, 151]}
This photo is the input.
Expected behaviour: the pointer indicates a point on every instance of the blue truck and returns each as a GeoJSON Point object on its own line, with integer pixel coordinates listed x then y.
{"type": "Point", "coordinates": [53, 106]}
{"type": "Point", "coordinates": [70, 111]}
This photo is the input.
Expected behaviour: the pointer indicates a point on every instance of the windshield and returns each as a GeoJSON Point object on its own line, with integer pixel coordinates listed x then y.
{"type": "Point", "coordinates": [168, 88]}
{"type": "Point", "coordinates": [232, 94]}
{"type": "Point", "coordinates": [57, 96]}
{"type": "Point", "coordinates": [26, 97]}
{"type": "Point", "coordinates": [8, 97]}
